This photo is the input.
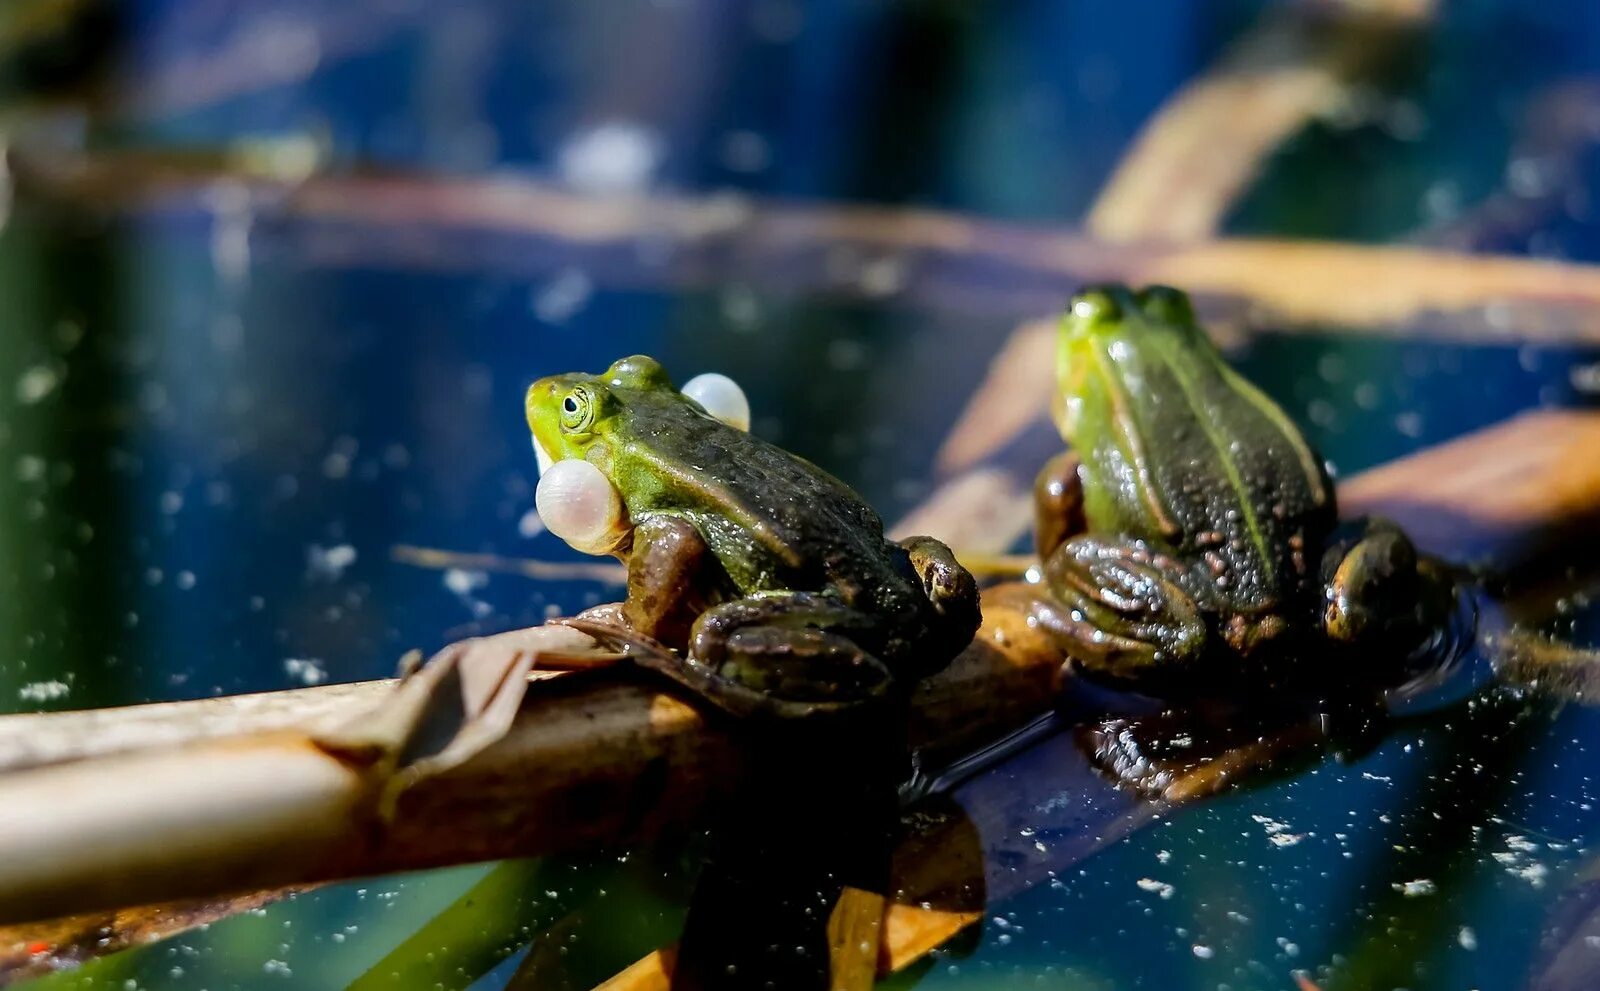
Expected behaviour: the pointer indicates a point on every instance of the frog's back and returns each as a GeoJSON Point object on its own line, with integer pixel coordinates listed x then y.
{"type": "Point", "coordinates": [774, 519]}
{"type": "Point", "coordinates": [1228, 481]}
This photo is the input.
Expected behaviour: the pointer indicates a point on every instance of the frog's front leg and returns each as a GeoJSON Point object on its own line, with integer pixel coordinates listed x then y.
{"type": "Point", "coordinates": [670, 569]}
{"type": "Point", "coordinates": [1057, 504]}
{"type": "Point", "coordinates": [1119, 609]}
{"type": "Point", "coordinates": [787, 654]}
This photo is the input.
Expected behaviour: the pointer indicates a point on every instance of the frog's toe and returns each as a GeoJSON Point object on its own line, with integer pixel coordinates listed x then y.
{"type": "Point", "coordinates": [949, 587]}
{"type": "Point", "coordinates": [615, 635]}
{"type": "Point", "coordinates": [1124, 614]}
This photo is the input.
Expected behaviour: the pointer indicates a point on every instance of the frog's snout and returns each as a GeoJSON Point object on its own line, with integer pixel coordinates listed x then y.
{"type": "Point", "coordinates": [538, 401]}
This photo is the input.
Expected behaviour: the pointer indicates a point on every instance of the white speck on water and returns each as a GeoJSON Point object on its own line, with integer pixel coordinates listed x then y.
{"type": "Point", "coordinates": [1534, 873]}
{"type": "Point", "coordinates": [1409, 424]}
{"type": "Point", "coordinates": [43, 691]}
{"type": "Point", "coordinates": [36, 383]}
{"type": "Point", "coordinates": [1163, 856]}
{"type": "Point", "coordinates": [1586, 378]}
{"type": "Point", "coordinates": [184, 580]}
{"type": "Point", "coordinates": [329, 563]}
{"type": "Point", "coordinates": [30, 468]}
{"type": "Point", "coordinates": [305, 670]}
{"type": "Point", "coordinates": [463, 582]}
{"type": "Point", "coordinates": [846, 355]}
{"type": "Point", "coordinates": [745, 151]}
{"type": "Point", "coordinates": [558, 300]}
{"type": "Point", "coordinates": [1203, 952]}
{"type": "Point", "coordinates": [171, 503]}
{"type": "Point", "coordinates": [1159, 888]}
{"type": "Point", "coordinates": [277, 968]}
{"type": "Point", "coordinates": [1467, 938]}
{"type": "Point", "coordinates": [610, 158]}
{"type": "Point", "coordinates": [1278, 832]}
{"type": "Point", "coordinates": [335, 465]}
{"type": "Point", "coordinates": [883, 276]}
{"type": "Point", "coordinates": [1417, 888]}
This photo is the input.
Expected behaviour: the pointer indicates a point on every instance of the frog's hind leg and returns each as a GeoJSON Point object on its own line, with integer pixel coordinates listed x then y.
{"type": "Point", "coordinates": [1120, 609]}
{"type": "Point", "coordinates": [785, 655]}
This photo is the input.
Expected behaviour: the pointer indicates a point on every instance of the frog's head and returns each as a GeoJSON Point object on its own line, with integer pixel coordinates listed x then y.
{"type": "Point", "coordinates": [572, 415]}
{"type": "Point", "coordinates": [580, 421]}
{"type": "Point", "coordinates": [1109, 336]}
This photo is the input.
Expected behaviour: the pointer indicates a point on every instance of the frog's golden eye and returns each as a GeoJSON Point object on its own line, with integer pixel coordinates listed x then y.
{"type": "Point", "coordinates": [577, 410]}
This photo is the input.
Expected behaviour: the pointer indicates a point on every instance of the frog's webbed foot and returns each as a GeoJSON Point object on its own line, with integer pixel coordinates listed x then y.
{"type": "Point", "coordinates": [786, 655]}
{"type": "Point", "coordinates": [1120, 610]}
{"type": "Point", "coordinates": [953, 593]}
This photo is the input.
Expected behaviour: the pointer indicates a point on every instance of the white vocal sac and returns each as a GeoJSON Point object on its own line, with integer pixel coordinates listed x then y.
{"type": "Point", "coordinates": [580, 505]}
{"type": "Point", "coordinates": [721, 397]}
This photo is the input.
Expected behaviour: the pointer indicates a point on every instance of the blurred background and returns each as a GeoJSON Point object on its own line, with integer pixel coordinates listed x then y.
{"type": "Point", "coordinates": [275, 274]}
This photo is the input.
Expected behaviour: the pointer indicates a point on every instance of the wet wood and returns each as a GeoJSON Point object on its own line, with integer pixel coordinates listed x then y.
{"type": "Point", "coordinates": [1512, 494]}
{"type": "Point", "coordinates": [1205, 146]}
{"type": "Point", "coordinates": [589, 760]}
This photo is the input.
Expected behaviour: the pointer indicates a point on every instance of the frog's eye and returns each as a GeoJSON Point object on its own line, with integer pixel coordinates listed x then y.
{"type": "Point", "coordinates": [1166, 304]}
{"type": "Point", "coordinates": [578, 503]}
{"type": "Point", "coordinates": [577, 410]}
{"type": "Point", "coordinates": [721, 397]}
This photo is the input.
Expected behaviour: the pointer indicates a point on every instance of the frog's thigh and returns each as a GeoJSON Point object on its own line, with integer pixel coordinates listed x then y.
{"type": "Point", "coordinates": [1124, 613]}
{"type": "Point", "coordinates": [1057, 503]}
{"type": "Point", "coordinates": [667, 578]}
{"type": "Point", "coordinates": [786, 655]}
{"type": "Point", "coordinates": [1372, 582]}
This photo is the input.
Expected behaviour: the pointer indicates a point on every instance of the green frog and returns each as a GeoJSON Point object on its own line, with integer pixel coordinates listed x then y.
{"type": "Point", "coordinates": [756, 579]}
{"type": "Point", "coordinates": [1191, 533]}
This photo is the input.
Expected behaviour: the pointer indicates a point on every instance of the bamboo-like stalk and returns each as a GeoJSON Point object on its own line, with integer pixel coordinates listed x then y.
{"type": "Point", "coordinates": [589, 761]}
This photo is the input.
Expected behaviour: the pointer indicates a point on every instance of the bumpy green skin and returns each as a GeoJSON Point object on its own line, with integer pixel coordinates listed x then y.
{"type": "Point", "coordinates": [1191, 530]}
{"type": "Point", "coordinates": [769, 581]}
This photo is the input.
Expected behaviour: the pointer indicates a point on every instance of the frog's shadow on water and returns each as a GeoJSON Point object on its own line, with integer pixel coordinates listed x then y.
{"type": "Point", "coordinates": [814, 813]}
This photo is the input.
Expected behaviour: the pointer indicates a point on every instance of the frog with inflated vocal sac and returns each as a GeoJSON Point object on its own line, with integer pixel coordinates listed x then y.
{"type": "Point", "coordinates": [755, 578]}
